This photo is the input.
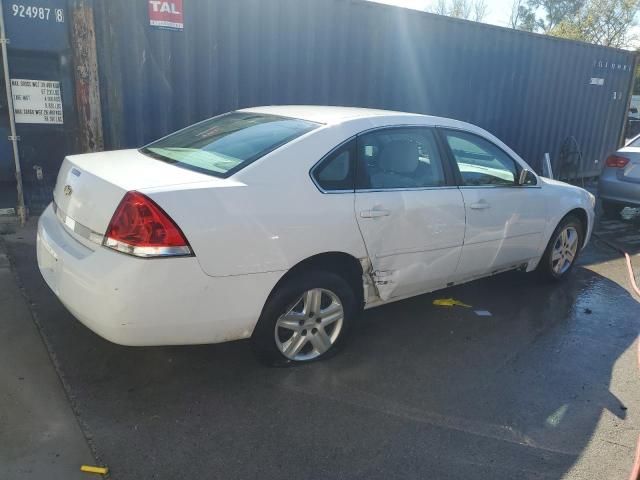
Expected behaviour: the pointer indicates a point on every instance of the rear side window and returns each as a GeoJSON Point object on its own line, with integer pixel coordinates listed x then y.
{"type": "Point", "coordinates": [223, 145]}
{"type": "Point", "coordinates": [336, 171]}
{"type": "Point", "coordinates": [399, 158]}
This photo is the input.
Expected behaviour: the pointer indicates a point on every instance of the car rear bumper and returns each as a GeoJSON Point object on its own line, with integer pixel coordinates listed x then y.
{"type": "Point", "coordinates": [615, 190]}
{"type": "Point", "coordinates": [133, 301]}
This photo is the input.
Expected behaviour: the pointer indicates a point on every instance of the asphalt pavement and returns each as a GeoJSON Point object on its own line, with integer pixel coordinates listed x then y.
{"type": "Point", "coordinates": [546, 387]}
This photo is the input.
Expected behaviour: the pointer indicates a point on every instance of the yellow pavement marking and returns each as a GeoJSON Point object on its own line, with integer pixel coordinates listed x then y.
{"type": "Point", "coordinates": [91, 469]}
{"type": "Point", "coordinates": [449, 302]}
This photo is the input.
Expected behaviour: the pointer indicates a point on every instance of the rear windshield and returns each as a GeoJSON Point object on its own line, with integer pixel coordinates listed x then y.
{"type": "Point", "coordinates": [223, 145]}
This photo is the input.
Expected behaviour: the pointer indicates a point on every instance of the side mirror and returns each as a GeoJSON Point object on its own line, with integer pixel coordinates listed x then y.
{"type": "Point", "coordinates": [525, 175]}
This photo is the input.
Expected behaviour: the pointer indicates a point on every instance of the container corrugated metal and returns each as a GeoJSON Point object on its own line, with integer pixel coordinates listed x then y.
{"type": "Point", "coordinates": [532, 91]}
{"type": "Point", "coordinates": [39, 49]}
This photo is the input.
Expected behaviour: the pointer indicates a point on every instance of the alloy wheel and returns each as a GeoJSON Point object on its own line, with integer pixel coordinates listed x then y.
{"type": "Point", "coordinates": [564, 250]}
{"type": "Point", "coordinates": [311, 326]}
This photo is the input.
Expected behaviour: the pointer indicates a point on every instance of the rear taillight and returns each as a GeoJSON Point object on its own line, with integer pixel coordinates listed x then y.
{"type": "Point", "coordinates": [616, 161]}
{"type": "Point", "coordinates": [140, 227]}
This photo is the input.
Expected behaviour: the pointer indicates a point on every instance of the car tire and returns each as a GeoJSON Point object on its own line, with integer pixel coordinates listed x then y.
{"type": "Point", "coordinates": [278, 341]}
{"type": "Point", "coordinates": [563, 249]}
{"type": "Point", "coordinates": [611, 209]}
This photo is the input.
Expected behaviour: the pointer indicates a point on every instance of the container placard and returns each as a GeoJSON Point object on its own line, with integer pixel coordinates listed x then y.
{"type": "Point", "coordinates": [37, 101]}
{"type": "Point", "coordinates": [166, 14]}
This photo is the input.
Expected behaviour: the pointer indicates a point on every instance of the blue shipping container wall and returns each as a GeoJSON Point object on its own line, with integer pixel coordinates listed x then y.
{"type": "Point", "coordinates": [531, 91]}
{"type": "Point", "coordinates": [39, 49]}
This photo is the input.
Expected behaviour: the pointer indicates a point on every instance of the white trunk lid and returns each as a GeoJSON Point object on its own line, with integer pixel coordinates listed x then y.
{"type": "Point", "coordinates": [90, 186]}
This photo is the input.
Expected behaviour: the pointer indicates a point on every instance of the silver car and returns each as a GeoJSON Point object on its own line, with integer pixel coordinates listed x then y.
{"type": "Point", "coordinates": [619, 184]}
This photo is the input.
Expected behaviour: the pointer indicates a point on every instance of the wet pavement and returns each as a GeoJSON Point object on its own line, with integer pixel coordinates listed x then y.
{"type": "Point", "coordinates": [545, 387]}
{"type": "Point", "coordinates": [624, 231]}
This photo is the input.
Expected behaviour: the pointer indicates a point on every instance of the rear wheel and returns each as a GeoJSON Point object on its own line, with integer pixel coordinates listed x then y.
{"type": "Point", "coordinates": [563, 249]}
{"type": "Point", "coordinates": [611, 209]}
{"type": "Point", "coordinates": [307, 318]}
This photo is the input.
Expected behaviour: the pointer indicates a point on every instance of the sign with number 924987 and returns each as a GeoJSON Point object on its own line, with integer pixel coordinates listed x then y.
{"type": "Point", "coordinates": [38, 13]}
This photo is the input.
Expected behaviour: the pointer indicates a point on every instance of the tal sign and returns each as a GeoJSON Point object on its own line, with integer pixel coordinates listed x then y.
{"type": "Point", "coordinates": [166, 14]}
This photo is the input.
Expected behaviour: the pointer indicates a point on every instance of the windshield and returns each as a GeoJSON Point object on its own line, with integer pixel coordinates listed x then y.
{"type": "Point", "coordinates": [223, 145]}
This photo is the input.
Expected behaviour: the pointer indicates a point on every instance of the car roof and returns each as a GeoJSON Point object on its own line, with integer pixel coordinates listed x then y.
{"type": "Point", "coordinates": [325, 114]}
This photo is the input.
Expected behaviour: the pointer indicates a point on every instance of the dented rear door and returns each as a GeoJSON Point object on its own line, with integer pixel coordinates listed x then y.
{"type": "Point", "coordinates": [410, 216]}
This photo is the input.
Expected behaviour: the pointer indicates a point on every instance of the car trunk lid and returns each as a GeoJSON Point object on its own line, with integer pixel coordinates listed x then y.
{"type": "Point", "coordinates": [90, 186]}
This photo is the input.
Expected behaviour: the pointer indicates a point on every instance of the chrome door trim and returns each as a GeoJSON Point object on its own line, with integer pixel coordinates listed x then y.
{"type": "Point", "coordinates": [405, 189]}
{"type": "Point", "coordinates": [462, 187]}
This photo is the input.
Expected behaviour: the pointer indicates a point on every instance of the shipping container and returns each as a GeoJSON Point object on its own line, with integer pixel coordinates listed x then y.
{"type": "Point", "coordinates": [164, 64]}
{"type": "Point", "coordinates": [532, 91]}
{"type": "Point", "coordinates": [41, 75]}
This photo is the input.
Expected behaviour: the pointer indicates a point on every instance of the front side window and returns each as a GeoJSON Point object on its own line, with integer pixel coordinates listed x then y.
{"type": "Point", "coordinates": [336, 171]}
{"type": "Point", "coordinates": [480, 162]}
{"type": "Point", "coordinates": [399, 158]}
{"type": "Point", "coordinates": [223, 145]}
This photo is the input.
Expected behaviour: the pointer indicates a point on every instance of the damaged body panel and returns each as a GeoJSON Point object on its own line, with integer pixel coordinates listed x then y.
{"type": "Point", "coordinates": [417, 246]}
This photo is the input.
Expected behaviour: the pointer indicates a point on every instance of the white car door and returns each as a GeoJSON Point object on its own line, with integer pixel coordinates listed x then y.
{"type": "Point", "coordinates": [409, 210]}
{"type": "Point", "coordinates": [505, 221]}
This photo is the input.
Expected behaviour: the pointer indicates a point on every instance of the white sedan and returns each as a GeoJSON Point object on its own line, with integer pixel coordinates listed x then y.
{"type": "Point", "coordinates": [281, 224]}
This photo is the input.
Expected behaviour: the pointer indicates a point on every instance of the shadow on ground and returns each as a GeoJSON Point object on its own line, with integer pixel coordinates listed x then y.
{"type": "Point", "coordinates": [422, 392]}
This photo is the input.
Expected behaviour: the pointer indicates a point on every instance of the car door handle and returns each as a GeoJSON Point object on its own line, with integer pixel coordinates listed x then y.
{"type": "Point", "coordinates": [374, 213]}
{"type": "Point", "coordinates": [481, 205]}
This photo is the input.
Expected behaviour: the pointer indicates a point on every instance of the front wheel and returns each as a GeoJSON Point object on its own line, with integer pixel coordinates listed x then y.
{"type": "Point", "coordinates": [307, 318]}
{"type": "Point", "coordinates": [563, 249]}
